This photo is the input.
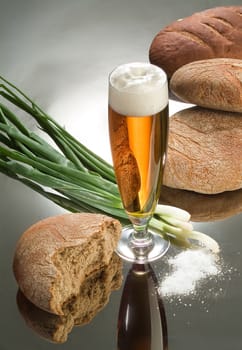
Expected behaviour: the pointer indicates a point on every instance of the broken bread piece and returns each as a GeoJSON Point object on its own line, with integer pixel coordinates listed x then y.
{"type": "Point", "coordinates": [54, 256]}
{"type": "Point", "coordinates": [93, 296]}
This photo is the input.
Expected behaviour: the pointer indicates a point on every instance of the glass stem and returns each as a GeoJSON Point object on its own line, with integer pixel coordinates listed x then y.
{"type": "Point", "coordinates": [141, 236]}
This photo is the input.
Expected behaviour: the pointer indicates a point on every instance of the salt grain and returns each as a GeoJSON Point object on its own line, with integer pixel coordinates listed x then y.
{"type": "Point", "coordinates": [189, 268]}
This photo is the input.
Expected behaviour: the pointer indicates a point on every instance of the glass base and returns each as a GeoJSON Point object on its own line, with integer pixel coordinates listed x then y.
{"type": "Point", "coordinates": [142, 251]}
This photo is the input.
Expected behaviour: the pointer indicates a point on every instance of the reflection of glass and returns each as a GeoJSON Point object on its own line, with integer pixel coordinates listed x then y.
{"type": "Point", "coordinates": [93, 296]}
{"type": "Point", "coordinates": [138, 128]}
{"type": "Point", "coordinates": [142, 321]}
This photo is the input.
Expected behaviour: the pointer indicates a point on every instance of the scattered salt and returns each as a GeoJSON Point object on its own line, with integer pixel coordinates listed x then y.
{"type": "Point", "coordinates": [189, 268]}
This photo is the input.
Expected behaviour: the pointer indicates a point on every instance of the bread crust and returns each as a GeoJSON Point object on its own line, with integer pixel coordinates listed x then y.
{"type": "Point", "coordinates": [55, 255]}
{"type": "Point", "coordinates": [92, 298]}
{"type": "Point", "coordinates": [211, 33]}
{"type": "Point", "coordinates": [214, 83]}
{"type": "Point", "coordinates": [204, 151]}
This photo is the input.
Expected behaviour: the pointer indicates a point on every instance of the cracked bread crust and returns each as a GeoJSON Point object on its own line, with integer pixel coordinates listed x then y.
{"type": "Point", "coordinates": [214, 83]}
{"type": "Point", "coordinates": [212, 33]}
{"type": "Point", "coordinates": [204, 151]}
{"type": "Point", "coordinates": [55, 255]}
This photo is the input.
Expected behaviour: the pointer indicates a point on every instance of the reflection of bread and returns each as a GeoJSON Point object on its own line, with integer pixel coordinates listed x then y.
{"type": "Point", "coordinates": [204, 207]}
{"type": "Point", "coordinates": [54, 256]}
{"type": "Point", "coordinates": [212, 33]}
{"type": "Point", "coordinates": [93, 296]}
{"type": "Point", "coordinates": [128, 179]}
{"type": "Point", "coordinates": [204, 151]}
{"type": "Point", "coordinates": [126, 167]}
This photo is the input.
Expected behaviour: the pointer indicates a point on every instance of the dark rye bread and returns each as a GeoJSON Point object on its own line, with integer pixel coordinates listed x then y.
{"type": "Point", "coordinates": [204, 151]}
{"type": "Point", "coordinates": [212, 33]}
{"type": "Point", "coordinates": [54, 256]}
{"type": "Point", "coordinates": [215, 83]}
{"type": "Point", "coordinates": [93, 296]}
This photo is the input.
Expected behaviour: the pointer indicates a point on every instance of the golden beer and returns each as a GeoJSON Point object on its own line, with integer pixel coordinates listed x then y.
{"type": "Point", "coordinates": [138, 145]}
{"type": "Point", "coordinates": [138, 129]}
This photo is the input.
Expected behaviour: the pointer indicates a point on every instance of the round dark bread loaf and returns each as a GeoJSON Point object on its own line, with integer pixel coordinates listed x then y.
{"type": "Point", "coordinates": [204, 151]}
{"type": "Point", "coordinates": [54, 256]}
{"type": "Point", "coordinates": [216, 32]}
{"type": "Point", "coordinates": [214, 83]}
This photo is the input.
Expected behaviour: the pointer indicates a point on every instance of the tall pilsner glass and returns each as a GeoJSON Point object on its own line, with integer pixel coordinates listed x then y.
{"type": "Point", "coordinates": [138, 129]}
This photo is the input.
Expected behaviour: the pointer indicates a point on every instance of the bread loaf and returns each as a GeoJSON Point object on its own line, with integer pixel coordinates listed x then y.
{"type": "Point", "coordinates": [93, 295]}
{"type": "Point", "coordinates": [214, 83]}
{"type": "Point", "coordinates": [216, 32]}
{"type": "Point", "coordinates": [204, 151]}
{"type": "Point", "coordinates": [204, 207]}
{"type": "Point", "coordinates": [54, 256]}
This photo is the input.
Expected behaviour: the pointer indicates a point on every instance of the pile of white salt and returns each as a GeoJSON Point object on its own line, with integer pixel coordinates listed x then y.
{"type": "Point", "coordinates": [188, 269]}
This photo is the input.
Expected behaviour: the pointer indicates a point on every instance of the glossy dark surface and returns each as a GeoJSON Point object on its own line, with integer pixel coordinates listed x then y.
{"type": "Point", "coordinates": [61, 52]}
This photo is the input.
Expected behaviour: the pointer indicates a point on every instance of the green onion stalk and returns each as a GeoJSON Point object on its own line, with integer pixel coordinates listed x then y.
{"type": "Point", "coordinates": [70, 174]}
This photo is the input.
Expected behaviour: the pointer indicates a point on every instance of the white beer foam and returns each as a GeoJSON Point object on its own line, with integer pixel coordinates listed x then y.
{"type": "Point", "coordinates": [138, 89]}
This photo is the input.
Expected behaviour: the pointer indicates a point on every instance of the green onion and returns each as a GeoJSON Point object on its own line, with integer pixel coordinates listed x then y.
{"type": "Point", "coordinates": [70, 174]}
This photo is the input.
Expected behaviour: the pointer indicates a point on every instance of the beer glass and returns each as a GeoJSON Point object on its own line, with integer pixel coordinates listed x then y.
{"type": "Point", "coordinates": [138, 129]}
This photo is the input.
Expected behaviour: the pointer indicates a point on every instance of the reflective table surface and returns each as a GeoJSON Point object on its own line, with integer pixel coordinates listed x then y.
{"type": "Point", "coordinates": [61, 53]}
